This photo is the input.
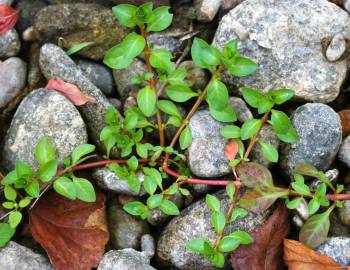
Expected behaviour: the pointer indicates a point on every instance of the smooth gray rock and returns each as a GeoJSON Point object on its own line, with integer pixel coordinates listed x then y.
{"type": "Point", "coordinates": [206, 9]}
{"type": "Point", "coordinates": [125, 230]}
{"type": "Point", "coordinates": [98, 74]}
{"type": "Point", "coordinates": [148, 245]}
{"type": "Point", "coordinates": [286, 47]}
{"type": "Point", "coordinates": [125, 259]}
{"type": "Point", "coordinates": [13, 75]}
{"type": "Point", "coordinates": [54, 62]}
{"type": "Point", "coordinates": [344, 152]}
{"type": "Point", "coordinates": [337, 228]}
{"type": "Point", "coordinates": [16, 257]}
{"type": "Point", "coordinates": [320, 134]}
{"type": "Point", "coordinates": [43, 113]}
{"type": "Point", "coordinates": [35, 76]}
{"type": "Point", "coordinates": [241, 109]}
{"type": "Point", "coordinates": [9, 44]}
{"type": "Point", "coordinates": [169, 39]}
{"type": "Point", "coordinates": [337, 248]}
{"type": "Point", "coordinates": [196, 77]}
{"type": "Point", "coordinates": [193, 222]}
{"type": "Point", "coordinates": [206, 156]}
{"type": "Point", "coordinates": [344, 214]}
{"type": "Point", "coordinates": [29, 9]}
{"type": "Point", "coordinates": [336, 48]}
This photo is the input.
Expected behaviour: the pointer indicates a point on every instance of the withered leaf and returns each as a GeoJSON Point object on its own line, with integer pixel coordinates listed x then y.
{"type": "Point", "coordinates": [73, 233]}
{"type": "Point", "coordinates": [299, 257]}
{"type": "Point", "coordinates": [267, 249]}
{"type": "Point", "coordinates": [8, 18]}
{"type": "Point", "coordinates": [254, 174]}
{"type": "Point", "coordinates": [231, 149]}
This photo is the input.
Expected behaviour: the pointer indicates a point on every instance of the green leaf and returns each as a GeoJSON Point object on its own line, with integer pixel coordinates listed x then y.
{"type": "Point", "coordinates": [160, 20]}
{"type": "Point", "coordinates": [6, 233]}
{"type": "Point", "coordinates": [44, 151]}
{"type": "Point", "coordinates": [177, 77]}
{"type": "Point", "coordinates": [136, 209]}
{"type": "Point", "coordinates": [133, 163]}
{"type": "Point", "coordinates": [15, 218]}
{"type": "Point", "coordinates": [8, 205]}
{"type": "Point", "coordinates": [33, 189]}
{"type": "Point", "coordinates": [249, 128]}
{"type": "Point", "coordinates": [180, 92]}
{"type": "Point", "coordinates": [242, 236]}
{"type": "Point", "coordinates": [109, 144]}
{"type": "Point", "coordinates": [212, 202]}
{"type": "Point", "coordinates": [269, 151]}
{"type": "Point", "coordinates": [218, 260]}
{"type": "Point", "coordinates": [280, 96]}
{"type": "Point", "coordinates": [65, 187]}
{"type": "Point", "coordinates": [146, 100]}
{"type": "Point", "coordinates": [23, 170]}
{"type": "Point", "coordinates": [154, 201]}
{"type": "Point", "coordinates": [265, 105]}
{"type": "Point", "coordinates": [231, 132]}
{"type": "Point", "coordinates": [134, 182]}
{"type": "Point", "coordinates": [254, 175]}
{"type": "Point", "coordinates": [130, 121]}
{"type": "Point", "coordinates": [144, 13]}
{"type": "Point", "coordinates": [301, 188]}
{"type": "Point", "coordinates": [84, 189]}
{"type": "Point", "coordinates": [294, 203]}
{"type": "Point", "coordinates": [313, 206]}
{"type": "Point", "coordinates": [142, 149]}
{"type": "Point", "coordinates": [150, 185]}
{"type": "Point", "coordinates": [290, 137]}
{"type": "Point", "coordinates": [169, 108]}
{"type": "Point", "coordinates": [82, 150]}
{"type": "Point", "coordinates": [184, 191]}
{"type": "Point", "coordinates": [47, 171]}
{"type": "Point", "coordinates": [10, 193]}
{"type": "Point", "coordinates": [315, 230]}
{"type": "Point", "coordinates": [10, 178]}
{"type": "Point", "coordinates": [204, 55]}
{"type": "Point", "coordinates": [185, 139]}
{"type": "Point", "coordinates": [229, 244]}
{"type": "Point", "coordinates": [78, 47]}
{"type": "Point", "coordinates": [169, 208]}
{"type": "Point", "coordinates": [161, 58]}
{"type": "Point", "coordinates": [230, 49]}
{"type": "Point", "coordinates": [172, 189]}
{"type": "Point", "coordinates": [307, 169]}
{"type": "Point", "coordinates": [241, 66]}
{"type": "Point", "coordinates": [280, 122]}
{"type": "Point", "coordinates": [111, 116]}
{"type": "Point", "coordinates": [196, 245]}
{"type": "Point", "coordinates": [238, 212]}
{"type": "Point", "coordinates": [218, 221]}
{"type": "Point", "coordinates": [155, 175]}
{"type": "Point", "coordinates": [175, 121]}
{"type": "Point", "coordinates": [217, 95]}
{"type": "Point", "coordinates": [230, 190]}
{"type": "Point", "coordinates": [24, 202]}
{"type": "Point", "coordinates": [226, 115]}
{"type": "Point", "coordinates": [126, 14]}
{"type": "Point", "coordinates": [252, 96]}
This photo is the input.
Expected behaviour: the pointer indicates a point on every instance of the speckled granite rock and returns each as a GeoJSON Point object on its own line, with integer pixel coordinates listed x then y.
{"type": "Point", "coordinates": [344, 152]}
{"type": "Point", "coordinates": [17, 257]}
{"type": "Point", "coordinates": [206, 9]}
{"type": "Point", "coordinates": [319, 129]}
{"type": "Point", "coordinates": [241, 109]}
{"type": "Point", "coordinates": [78, 23]}
{"type": "Point", "coordinates": [43, 113]}
{"type": "Point", "coordinates": [286, 47]}
{"type": "Point", "coordinates": [54, 62]}
{"type": "Point", "coordinates": [9, 44]}
{"type": "Point", "coordinates": [206, 156]}
{"type": "Point", "coordinates": [193, 222]}
{"type": "Point", "coordinates": [125, 259]}
{"type": "Point", "coordinates": [337, 248]}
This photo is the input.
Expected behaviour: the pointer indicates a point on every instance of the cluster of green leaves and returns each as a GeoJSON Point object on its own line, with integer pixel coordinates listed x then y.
{"type": "Point", "coordinates": [22, 185]}
{"type": "Point", "coordinates": [225, 244]}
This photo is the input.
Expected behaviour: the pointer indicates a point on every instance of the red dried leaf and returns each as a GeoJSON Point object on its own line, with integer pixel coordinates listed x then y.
{"type": "Point", "coordinates": [8, 18]}
{"type": "Point", "coordinates": [299, 257]}
{"type": "Point", "coordinates": [73, 233]}
{"type": "Point", "coordinates": [231, 149]}
{"type": "Point", "coordinates": [267, 249]}
{"type": "Point", "coordinates": [71, 91]}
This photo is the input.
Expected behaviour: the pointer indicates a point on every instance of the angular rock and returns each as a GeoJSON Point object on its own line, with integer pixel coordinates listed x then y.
{"type": "Point", "coordinates": [319, 130]}
{"type": "Point", "coordinates": [344, 152]}
{"type": "Point", "coordinates": [77, 23]}
{"type": "Point", "coordinates": [13, 74]}
{"type": "Point", "coordinates": [206, 9]}
{"type": "Point", "coordinates": [9, 44]}
{"type": "Point", "coordinates": [54, 62]}
{"type": "Point", "coordinates": [206, 156]}
{"type": "Point", "coordinates": [98, 74]}
{"type": "Point", "coordinates": [337, 248]}
{"type": "Point", "coordinates": [17, 257]}
{"type": "Point", "coordinates": [125, 259]}
{"type": "Point", "coordinates": [241, 109]}
{"type": "Point", "coordinates": [193, 222]}
{"type": "Point", "coordinates": [43, 113]}
{"type": "Point", "coordinates": [28, 9]}
{"type": "Point", "coordinates": [286, 47]}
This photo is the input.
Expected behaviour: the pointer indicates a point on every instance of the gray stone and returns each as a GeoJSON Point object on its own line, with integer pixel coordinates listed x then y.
{"type": "Point", "coordinates": [148, 245]}
{"type": "Point", "coordinates": [125, 259]}
{"type": "Point", "coordinates": [241, 109]}
{"type": "Point", "coordinates": [267, 135]}
{"type": "Point", "coordinates": [196, 77]}
{"type": "Point", "coordinates": [17, 257]}
{"type": "Point", "coordinates": [344, 152]}
{"type": "Point", "coordinates": [193, 222]}
{"type": "Point", "coordinates": [300, 214]}
{"type": "Point", "coordinates": [116, 103]}
{"type": "Point", "coordinates": [13, 75]}
{"type": "Point", "coordinates": [54, 62]}
{"type": "Point", "coordinates": [9, 44]}
{"type": "Point", "coordinates": [98, 74]}
{"type": "Point", "coordinates": [206, 9]}
{"type": "Point", "coordinates": [206, 156]}
{"type": "Point", "coordinates": [28, 9]}
{"type": "Point", "coordinates": [6, 2]}
{"type": "Point", "coordinates": [337, 248]}
{"type": "Point", "coordinates": [106, 179]}
{"type": "Point", "coordinates": [336, 48]}
{"type": "Point", "coordinates": [319, 130]}
{"type": "Point", "coordinates": [166, 39]}
{"type": "Point", "coordinates": [43, 113]}
{"type": "Point", "coordinates": [344, 214]}
{"type": "Point", "coordinates": [332, 175]}
{"type": "Point", "coordinates": [29, 34]}
{"type": "Point", "coordinates": [77, 23]}
{"type": "Point", "coordinates": [287, 47]}
{"type": "Point", "coordinates": [125, 230]}
{"type": "Point", "coordinates": [336, 227]}
{"type": "Point", "coordinates": [35, 77]}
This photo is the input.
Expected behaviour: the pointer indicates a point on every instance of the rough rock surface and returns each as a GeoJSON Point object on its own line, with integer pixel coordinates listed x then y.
{"type": "Point", "coordinates": [337, 248]}
{"type": "Point", "coordinates": [43, 113]}
{"type": "Point", "coordinates": [344, 152]}
{"type": "Point", "coordinates": [319, 130]}
{"type": "Point", "coordinates": [287, 47]}
{"type": "Point", "coordinates": [9, 44]}
{"type": "Point", "coordinates": [241, 109]}
{"type": "Point", "coordinates": [29, 9]}
{"type": "Point", "coordinates": [344, 214]}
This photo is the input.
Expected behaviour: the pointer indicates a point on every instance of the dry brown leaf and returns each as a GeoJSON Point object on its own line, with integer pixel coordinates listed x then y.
{"type": "Point", "coordinates": [73, 233]}
{"type": "Point", "coordinates": [231, 149]}
{"type": "Point", "coordinates": [8, 18]}
{"type": "Point", "coordinates": [344, 116]}
{"type": "Point", "coordinates": [70, 91]}
{"type": "Point", "coordinates": [266, 252]}
{"type": "Point", "coordinates": [299, 257]}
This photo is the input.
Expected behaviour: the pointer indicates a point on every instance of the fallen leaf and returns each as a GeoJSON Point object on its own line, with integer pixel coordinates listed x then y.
{"type": "Point", "coordinates": [8, 18]}
{"type": "Point", "coordinates": [267, 249]}
{"type": "Point", "coordinates": [299, 257]}
{"type": "Point", "coordinates": [73, 233]}
{"type": "Point", "coordinates": [71, 91]}
{"type": "Point", "coordinates": [231, 149]}
{"type": "Point", "coordinates": [344, 116]}
{"type": "Point", "coordinates": [254, 174]}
